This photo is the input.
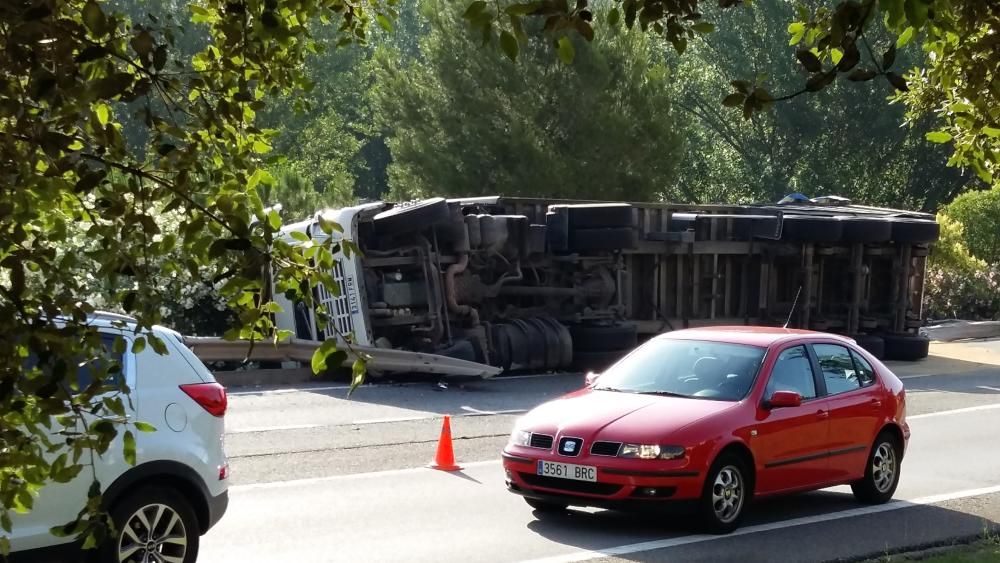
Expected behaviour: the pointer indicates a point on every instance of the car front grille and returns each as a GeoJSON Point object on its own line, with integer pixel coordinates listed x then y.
{"type": "Point", "coordinates": [605, 448]}
{"type": "Point", "coordinates": [543, 441]}
{"type": "Point", "coordinates": [570, 485]}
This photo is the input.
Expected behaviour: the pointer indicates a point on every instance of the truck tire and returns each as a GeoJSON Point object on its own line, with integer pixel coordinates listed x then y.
{"type": "Point", "coordinates": [585, 360]}
{"type": "Point", "coordinates": [565, 341]}
{"type": "Point", "coordinates": [602, 215]}
{"type": "Point", "coordinates": [801, 228]}
{"type": "Point", "coordinates": [915, 231]}
{"type": "Point", "coordinates": [874, 345]}
{"type": "Point", "coordinates": [617, 238]}
{"type": "Point", "coordinates": [866, 230]}
{"type": "Point", "coordinates": [597, 338]}
{"type": "Point", "coordinates": [906, 348]}
{"type": "Point", "coordinates": [410, 218]}
{"type": "Point", "coordinates": [501, 353]}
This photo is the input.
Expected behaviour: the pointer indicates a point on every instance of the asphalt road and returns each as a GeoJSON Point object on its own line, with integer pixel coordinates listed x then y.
{"type": "Point", "coordinates": [319, 477]}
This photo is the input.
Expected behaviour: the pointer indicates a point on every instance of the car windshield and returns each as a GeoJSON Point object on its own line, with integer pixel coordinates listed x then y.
{"type": "Point", "coordinates": [686, 368]}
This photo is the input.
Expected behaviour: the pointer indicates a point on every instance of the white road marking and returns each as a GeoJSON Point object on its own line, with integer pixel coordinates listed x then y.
{"type": "Point", "coordinates": [352, 476]}
{"type": "Point", "coordinates": [988, 388]}
{"type": "Point", "coordinates": [991, 406]}
{"type": "Point", "coordinates": [699, 538]}
{"type": "Point", "coordinates": [271, 428]}
{"type": "Point", "coordinates": [391, 419]}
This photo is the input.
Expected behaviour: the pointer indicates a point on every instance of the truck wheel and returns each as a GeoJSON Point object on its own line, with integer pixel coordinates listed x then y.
{"type": "Point", "coordinates": [801, 228]}
{"type": "Point", "coordinates": [866, 229]}
{"type": "Point", "coordinates": [617, 238]}
{"type": "Point", "coordinates": [602, 215]}
{"type": "Point", "coordinates": [501, 356]}
{"type": "Point", "coordinates": [906, 348]}
{"type": "Point", "coordinates": [410, 218]}
{"type": "Point", "coordinates": [597, 338]}
{"type": "Point", "coordinates": [915, 231]}
{"type": "Point", "coordinates": [565, 341]}
{"type": "Point", "coordinates": [535, 339]}
{"type": "Point", "coordinates": [553, 354]}
{"type": "Point", "coordinates": [875, 345]}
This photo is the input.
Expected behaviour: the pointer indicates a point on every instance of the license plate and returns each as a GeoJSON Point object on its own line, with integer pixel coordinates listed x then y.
{"type": "Point", "coordinates": [567, 471]}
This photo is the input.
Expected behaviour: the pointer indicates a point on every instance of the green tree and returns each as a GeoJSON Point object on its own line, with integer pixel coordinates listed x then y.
{"type": "Point", "coordinates": [844, 140]}
{"type": "Point", "coordinates": [979, 213]}
{"type": "Point", "coordinates": [853, 40]}
{"type": "Point", "coordinates": [72, 70]}
{"type": "Point", "coordinates": [467, 121]}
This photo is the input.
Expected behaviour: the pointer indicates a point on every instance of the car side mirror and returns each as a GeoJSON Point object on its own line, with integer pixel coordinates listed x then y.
{"type": "Point", "coordinates": [783, 399]}
{"type": "Point", "coordinates": [591, 378]}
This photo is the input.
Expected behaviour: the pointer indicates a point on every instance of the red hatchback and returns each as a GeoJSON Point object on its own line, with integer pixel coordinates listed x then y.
{"type": "Point", "coordinates": [717, 416]}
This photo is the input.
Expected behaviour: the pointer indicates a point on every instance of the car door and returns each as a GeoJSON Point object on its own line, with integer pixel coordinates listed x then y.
{"type": "Point", "coordinates": [59, 503]}
{"type": "Point", "coordinates": [790, 442]}
{"type": "Point", "coordinates": [853, 399]}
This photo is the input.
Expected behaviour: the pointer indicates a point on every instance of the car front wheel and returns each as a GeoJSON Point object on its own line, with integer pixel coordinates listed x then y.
{"type": "Point", "coordinates": [881, 472]}
{"type": "Point", "coordinates": [153, 524]}
{"type": "Point", "coordinates": [725, 495]}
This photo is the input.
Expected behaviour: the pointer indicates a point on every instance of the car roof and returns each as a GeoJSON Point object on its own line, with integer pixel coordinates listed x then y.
{"type": "Point", "coordinates": [763, 336]}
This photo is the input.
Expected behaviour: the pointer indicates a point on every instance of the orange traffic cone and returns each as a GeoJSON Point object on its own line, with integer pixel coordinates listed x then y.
{"type": "Point", "coordinates": [445, 459]}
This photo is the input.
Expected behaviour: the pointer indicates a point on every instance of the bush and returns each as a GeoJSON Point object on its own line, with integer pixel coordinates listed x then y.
{"type": "Point", "coordinates": [979, 213]}
{"type": "Point", "coordinates": [959, 285]}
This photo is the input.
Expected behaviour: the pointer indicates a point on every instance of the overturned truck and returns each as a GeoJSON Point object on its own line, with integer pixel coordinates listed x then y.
{"type": "Point", "coordinates": [544, 285]}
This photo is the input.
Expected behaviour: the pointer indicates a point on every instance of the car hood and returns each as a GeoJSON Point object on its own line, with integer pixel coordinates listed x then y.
{"type": "Point", "coordinates": [626, 417]}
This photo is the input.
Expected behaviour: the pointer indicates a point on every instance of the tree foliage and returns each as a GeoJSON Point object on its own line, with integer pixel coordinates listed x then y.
{"type": "Point", "coordinates": [850, 40]}
{"type": "Point", "coordinates": [979, 214]}
{"type": "Point", "coordinates": [71, 71]}
{"type": "Point", "coordinates": [467, 121]}
{"type": "Point", "coordinates": [844, 140]}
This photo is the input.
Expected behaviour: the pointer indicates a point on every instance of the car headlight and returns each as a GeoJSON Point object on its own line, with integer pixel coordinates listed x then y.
{"type": "Point", "coordinates": [651, 451]}
{"type": "Point", "coordinates": [520, 438]}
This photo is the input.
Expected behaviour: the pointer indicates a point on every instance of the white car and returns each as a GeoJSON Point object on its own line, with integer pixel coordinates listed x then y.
{"type": "Point", "coordinates": [178, 487]}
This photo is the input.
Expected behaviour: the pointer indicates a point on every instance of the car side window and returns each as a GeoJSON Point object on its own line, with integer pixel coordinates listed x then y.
{"type": "Point", "coordinates": [866, 373]}
{"type": "Point", "coordinates": [839, 371]}
{"type": "Point", "coordinates": [792, 372]}
{"type": "Point", "coordinates": [110, 363]}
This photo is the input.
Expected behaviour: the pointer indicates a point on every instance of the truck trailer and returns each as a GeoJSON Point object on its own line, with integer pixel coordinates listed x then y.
{"type": "Point", "coordinates": [553, 285]}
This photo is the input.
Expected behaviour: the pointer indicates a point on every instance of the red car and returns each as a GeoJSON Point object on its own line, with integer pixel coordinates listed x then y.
{"type": "Point", "coordinates": [716, 416]}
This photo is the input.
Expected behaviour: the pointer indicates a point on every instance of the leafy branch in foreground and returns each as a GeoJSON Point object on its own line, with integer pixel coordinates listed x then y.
{"type": "Point", "coordinates": [78, 198]}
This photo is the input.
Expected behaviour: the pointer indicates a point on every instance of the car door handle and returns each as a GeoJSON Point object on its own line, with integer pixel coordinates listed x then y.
{"type": "Point", "coordinates": [822, 414]}
{"type": "Point", "coordinates": [876, 403]}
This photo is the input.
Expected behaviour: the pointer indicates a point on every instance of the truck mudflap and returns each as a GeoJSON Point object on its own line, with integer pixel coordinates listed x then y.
{"type": "Point", "coordinates": [213, 349]}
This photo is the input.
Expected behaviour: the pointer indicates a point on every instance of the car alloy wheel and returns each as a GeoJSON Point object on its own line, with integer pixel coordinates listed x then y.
{"type": "Point", "coordinates": [727, 494]}
{"type": "Point", "coordinates": [884, 467]}
{"type": "Point", "coordinates": [154, 533]}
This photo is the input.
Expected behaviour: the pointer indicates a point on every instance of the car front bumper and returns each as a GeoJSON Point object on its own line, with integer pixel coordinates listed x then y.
{"type": "Point", "coordinates": [615, 486]}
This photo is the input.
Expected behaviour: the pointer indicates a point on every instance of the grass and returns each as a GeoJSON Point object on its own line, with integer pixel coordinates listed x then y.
{"type": "Point", "coordinates": [987, 551]}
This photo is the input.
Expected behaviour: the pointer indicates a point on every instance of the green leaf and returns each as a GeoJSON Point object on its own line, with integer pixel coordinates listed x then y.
{"type": "Point", "coordinates": [138, 345]}
{"type": "Point", "coordinates": [144, 427]}
{"type": "Point", "coordinates": [938, 136]}
{"type": "Point", "coordinates": [129, 447]}
{"type": "Point", "coordinates": [358, 370]}
{"type": "Point", "coordinates": [916, 12]}
{"type": "Point", "coordinates": [733, 100]}
{"type": "Point", "coordinates": [474, 9]}
{"type": "Point", "coordinates": [384, 22]}
{"type": "Point", "coordinates": [94, 18]}
{"type": "Point", "coordinates": [991, 131]}
{"type": "Point", "coordinates": [810, 61]}
{"type": "Point", "coordinates": [703, 27]}
{"type": "Point", "coordinates": [797, 30]}
{"type": "Point", "coordinates": [566, 51]}
{"type": "Point", "coordinates": [889, 58]}
{"type": "Point", "coordinates": [905, 37]}
{"type": "Point", "coordinates": [836, 55]}
{"type": "Point", "coordinates": [319, 357]}
{"type": "Point", "coordinates": [274, 220]}
{"type": "Point", "coordinates": [508, 43]}
{"type": "Point", "coordinates": [300, 236]}
{"type": "Point", "coordinates": [614, 16]}
{"type": "Point", "coordinates": [260, 147]}
{"type": "Point", "coordinates": [103, 113]}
